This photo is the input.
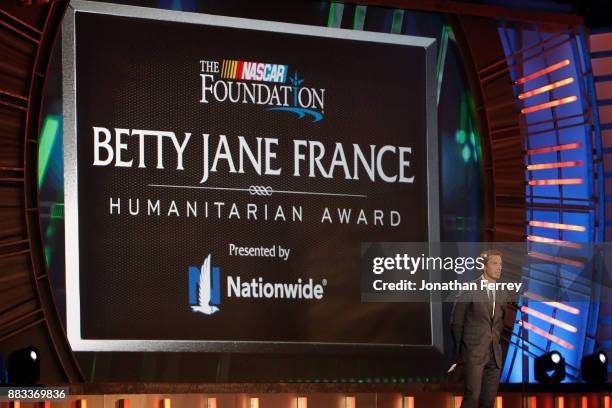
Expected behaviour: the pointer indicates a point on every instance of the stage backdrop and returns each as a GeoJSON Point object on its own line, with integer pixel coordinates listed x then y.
{"type": "Point", "coordinates": [221, 175]}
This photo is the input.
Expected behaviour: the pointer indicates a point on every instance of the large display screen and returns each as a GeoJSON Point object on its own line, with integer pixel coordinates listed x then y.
{"type": "Point", "coordinates": [222, 173]}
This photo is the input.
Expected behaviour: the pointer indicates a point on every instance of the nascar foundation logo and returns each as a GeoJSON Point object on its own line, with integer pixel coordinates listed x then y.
{"type": "Point", "coordinates": [253, 71]}
{"type": "Point", "coordinates": [258, 83]}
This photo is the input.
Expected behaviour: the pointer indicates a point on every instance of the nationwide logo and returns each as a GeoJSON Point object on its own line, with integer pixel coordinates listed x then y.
{"type": "Point", "coordinates": [258, 288]}
{"type": "Point", "coordinates": [259, 83]}
{"type": "Point", "coordinates": [205, 288]}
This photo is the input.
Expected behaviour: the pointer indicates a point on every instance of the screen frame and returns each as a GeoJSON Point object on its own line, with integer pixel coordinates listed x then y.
{"type": "Point", "coordinates": [73, 309]}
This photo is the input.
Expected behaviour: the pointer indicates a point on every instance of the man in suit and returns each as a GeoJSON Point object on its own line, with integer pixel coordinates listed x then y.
{"type": "Point", "coordinates": [477, 322]}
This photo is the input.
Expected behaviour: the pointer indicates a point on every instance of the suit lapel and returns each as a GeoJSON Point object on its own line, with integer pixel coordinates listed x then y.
{"type": "Point", "coordinates": [486, 304]}
{"type": "Point", "coordinates": [499, 302]}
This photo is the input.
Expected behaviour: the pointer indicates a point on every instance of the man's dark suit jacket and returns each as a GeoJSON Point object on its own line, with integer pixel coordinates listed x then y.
{"type": "Point", "coordinates": [474, 330]}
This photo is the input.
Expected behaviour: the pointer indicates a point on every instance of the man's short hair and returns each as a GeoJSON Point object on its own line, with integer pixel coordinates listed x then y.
{"type": "Point", "coordinates": [489, 253]}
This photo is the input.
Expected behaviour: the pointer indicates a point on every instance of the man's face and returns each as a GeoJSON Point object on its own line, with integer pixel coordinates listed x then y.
{"type": "Point", "coordinates": [493, 267]}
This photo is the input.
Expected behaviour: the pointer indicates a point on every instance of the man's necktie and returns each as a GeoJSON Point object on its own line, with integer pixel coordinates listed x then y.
{"type": "Point", "coordinates": [491, 295]}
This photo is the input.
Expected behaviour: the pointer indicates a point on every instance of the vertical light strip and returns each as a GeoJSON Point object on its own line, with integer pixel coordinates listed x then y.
{"type": "Point", "coordinates": [499, 402]}
{"type": "Point", "coordinates": [441, 59]}
{"type": "Point", "coordinates": [166, 403]}
{"type": "Point", "coordinates": [335, 15]}
{"type": "Point", "coordinates": [359, 19]}
{"type": "Point", "coordinates": [457, 401]}
{"type": "Point", "coordinates": [211, 402]}
{"type": "Point", "coordinates": [560, 402]}
{"type": "Point", "coordinates": [533, 402]}
{"type": "Point", "coordinates": [584, 402]}
{"type": "Point", "coordinates": [254, 402]}
{"type": "Point", "coordinates": [302, 402]}
{"type": "Point", "coordinates": [407, 401]}
{"type": "Point", "coordinates": [397, 21]}
{"type": "Point", "coordinates": [48, 134]}
{"type": "Point", "coordinates": [349, 402]}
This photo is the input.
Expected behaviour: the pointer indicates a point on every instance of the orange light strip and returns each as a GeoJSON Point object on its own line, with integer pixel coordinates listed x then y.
{"type": "Point", "coordinates": [550, 104]}
{"type": "Point", "coordinates": [555, 182]}
{"type": "Point", "coordinates": [584, 402]}
{"type": "Point", "coordinates": [302, 402]}
{"type": "Point", "coordinates": [558, 305]}
{"type": "Point", "coordinates": [556, 259]}
{"type": "Point", "coordinates": [560, 402]}
{"type": "Point", "coordinates": [541, 72]}
{"type": "Point", "coordinates": [408, 401]}
{"type": "Point", "coordinates": [499, 402]}
{"type": "Point", "coordinates": [556, 148]}
{"type": "Point", "coordinates": [166, 403]}
{"type": "Point", "coordinates": [533, 402]}
{"type": "Point", "coordinates": [554, 225]}
{"type": "Point", "coordinates": [211, 402]}
{"type": "Point", "coordinates": [546, 88]}
{"type": "Point", "coordinates": [544, 240]}
{"type": "Point", "coordinates": [349, 402]}
{"type": "Point", "coordinates": [546, 335]}
{"type": "Point", "coordinates": [555, 165]}
{"type": "Point", "coordinates": [548, 319]}
{"type": "Point", "coordinates": [458, 399]}
{"type": "Point", "coordinates": [606, 401]}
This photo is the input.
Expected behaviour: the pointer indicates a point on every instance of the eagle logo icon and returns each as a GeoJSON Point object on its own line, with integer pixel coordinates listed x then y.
{"type": "Point", "coordinates": [204, 290]}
